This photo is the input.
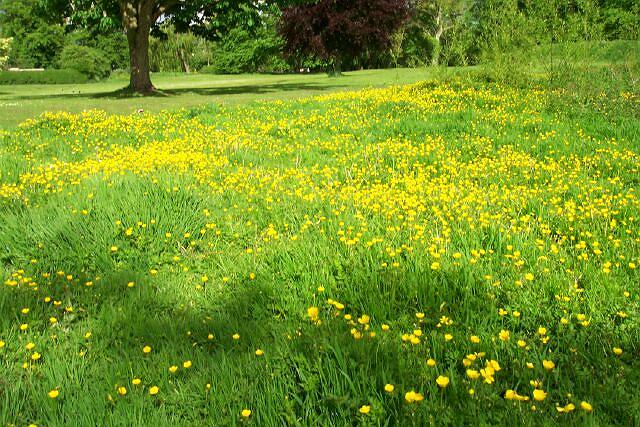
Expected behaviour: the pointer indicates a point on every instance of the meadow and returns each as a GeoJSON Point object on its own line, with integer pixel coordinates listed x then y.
{"type": "Point", "coordinates": [451, 251]}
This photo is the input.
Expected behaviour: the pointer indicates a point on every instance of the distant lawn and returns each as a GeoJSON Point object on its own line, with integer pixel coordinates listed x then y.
{"type": "Point", "coordinates": [21, 102]}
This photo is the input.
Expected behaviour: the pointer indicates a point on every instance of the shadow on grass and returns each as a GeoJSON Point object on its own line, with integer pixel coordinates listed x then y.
{"type": "Point", "coordinates": [201, 91]}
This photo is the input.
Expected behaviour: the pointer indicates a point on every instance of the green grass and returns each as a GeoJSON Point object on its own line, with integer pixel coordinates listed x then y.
{"type": "Point", "coordinates": [488, 208]}
{"type": "Point", "coordinates": [20, 102]}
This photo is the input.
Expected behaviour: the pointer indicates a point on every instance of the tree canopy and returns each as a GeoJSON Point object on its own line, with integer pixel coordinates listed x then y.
{"type": "Point", "coordinates": [339, 29]}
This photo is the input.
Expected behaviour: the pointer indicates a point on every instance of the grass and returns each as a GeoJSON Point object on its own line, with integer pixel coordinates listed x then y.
{"type": "Point", "coordinates": [21, 102]}
{"type": "Point", "coordinates": [474, 245]}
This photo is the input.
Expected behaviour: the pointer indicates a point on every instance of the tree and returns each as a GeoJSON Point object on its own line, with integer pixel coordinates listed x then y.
{"type": "Point", "coordinates": [37, 36]}
{"type": "Point", "coordinates": [140, 18]}
{"type": "Point", "coordinates": [338, 30]}
{"type": "Point", "coordinates": [436, 18]}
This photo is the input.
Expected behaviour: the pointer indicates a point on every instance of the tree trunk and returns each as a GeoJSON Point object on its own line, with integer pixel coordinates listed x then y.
{"type": "Point", "coordinates": [435, 59]}
{"type": "Point", "coordinates": [337, 67]}
{"type": "Point", "coordinates": [137, 17]}
{"type": "Point", "coordinates": [183, 61]}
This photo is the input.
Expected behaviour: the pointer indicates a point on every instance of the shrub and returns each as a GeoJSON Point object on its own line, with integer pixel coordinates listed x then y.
{"type": "Point", "coordinates": [88, 61]}
{"type": "Point", "coordinates": [42, 77]}
{"type": "Point", "coordinates": [37, 49]}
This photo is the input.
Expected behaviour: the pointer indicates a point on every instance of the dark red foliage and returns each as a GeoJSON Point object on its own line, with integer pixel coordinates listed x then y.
{"type": "Point", "coordinates": [341, 29]}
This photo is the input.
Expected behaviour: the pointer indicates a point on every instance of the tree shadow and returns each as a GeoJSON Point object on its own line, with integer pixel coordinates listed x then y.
{"type": "Point", "coordinates": [201, 91]}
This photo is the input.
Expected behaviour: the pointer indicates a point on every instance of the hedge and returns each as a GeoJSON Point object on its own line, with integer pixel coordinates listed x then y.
{"type": "Point", "coordinates": [46, 77]}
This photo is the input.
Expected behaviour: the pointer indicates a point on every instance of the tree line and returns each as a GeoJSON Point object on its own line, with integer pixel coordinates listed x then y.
{"type": "Point", "coordinates": [95, 37]}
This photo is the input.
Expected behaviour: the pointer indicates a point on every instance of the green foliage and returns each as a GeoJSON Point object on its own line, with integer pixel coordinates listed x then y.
{"type": "Point", "coordinates": [37, 49]}
{"type": "Point", "coordinates": [45, 77]}
{"type": "Point", "coordinates": [179, 52]}
{"type": "Point", "coordinates": [622, 20]}
{"type": "Point", "coordinates": [20, 17]}
{"type": "Point", "coordinates": [242, 52]}
{"type": "Point", "coordinates": [112, 46]}
{"type": "Point", "coordinates": [88, 61]}
{"type": "Point", "coordinates": [5, 46]}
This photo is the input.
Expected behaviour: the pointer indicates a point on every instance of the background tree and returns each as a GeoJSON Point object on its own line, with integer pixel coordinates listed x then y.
{"type": "Point", "coordinates": [339, 30]}
{"type": "Point", "coordinates": [140, 18]}
{"type": "Point", "coordinates": [436, 18]}
{"type": "Point", "coordinates": [37, 36]}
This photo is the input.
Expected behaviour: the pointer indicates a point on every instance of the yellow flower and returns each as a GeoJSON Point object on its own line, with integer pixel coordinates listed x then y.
{"type": "Point", "coordinates": [187, 364]}
{"type": "Point", "coordinates": [539, 395]}
{"type": "Point", "coordinates": [474, 339]}
{"type": "Point", "coordinates": [586, 406]}
{"type": "Point", "coordinates": [136, 381]}
{"type": "Point", "coordinates": [435, 265]}
{"type": "Point", "coordinates": [431, 363]}
{"type": "Point", "coordinates": [529, 277]}
{"type": "Point", "coordinates": [448, 337]}
{"type": "Point", "coordinates": [365, 409]}
{"type": "Point", "coordinates": [617, 351]}
{"type": "Point", "coordinates": [122, 391]}
{"type": "Point", "coordinates": [146, 349]}
{"type": "Point", "coordinates": [442, 381]}
{"type": "Point", "coordinates": [522, 343]}
{"type": "Point", "coordinates": [2, 343]}
{"type": "Point", "coordinates": [53, 394]}
{"type": "Point", "coordinates": [246, 413]}
{"type": "Point", "coordinates": [389, 388]}
{"type": "Point", "coordinates": [413, 397]}
{"type": "Point", "coordinates": [504, 335]}
{"type": "Point", "coordinates": [420, 315]}
{"type": "Point", "coordinates": [385, 327]}
{"type": "Point", "coordinates": [259, 352]}
{"type": "Point", "coordinates": [567, 408]}
{"type": "Point", "coordinates": [313, 312]}
{"type": "Point", "coordinates": [35, 356]}
{"type": "Point", "coordinates": [173, 369]}
{"type": "Point", "coordinates": [236, 336]}
{"type": "Point", "coordinates": [153, 390]}
{"type": "Point", "coordinates": [548, 365]}
{"type": "Point", "coordinates": [473, 374]}
{"type": "Point", "coordinates": [363, 320]}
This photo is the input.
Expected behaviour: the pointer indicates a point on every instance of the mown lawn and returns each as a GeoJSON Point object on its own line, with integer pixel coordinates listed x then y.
{"type": "Point", "coordinates": [177, 90]}
{"type": "Point", "coordinates": [437, 253]}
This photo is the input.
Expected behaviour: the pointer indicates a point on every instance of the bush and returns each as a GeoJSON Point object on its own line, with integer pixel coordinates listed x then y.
{"type": "Point", "coordinates": [240, 51]}
{"type": "Point", "coordinates": [112, 46]}
{"type": "Point", "coordinates": [37, 49]}
{"type": "Point", "coordinates": [88, 61]}
{"type": "Point", "coordinates": [46, 77]}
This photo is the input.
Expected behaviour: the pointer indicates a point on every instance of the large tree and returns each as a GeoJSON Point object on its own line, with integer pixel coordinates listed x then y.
{"type": "Point", "coordinates": [140, 18]}
{"type": "Point", "coordinates": [337, 30]}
